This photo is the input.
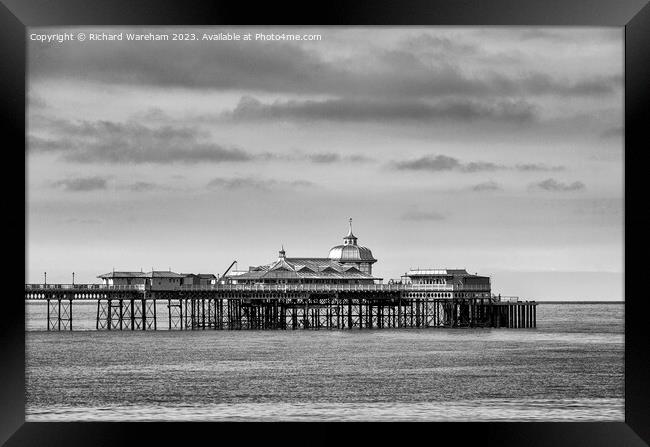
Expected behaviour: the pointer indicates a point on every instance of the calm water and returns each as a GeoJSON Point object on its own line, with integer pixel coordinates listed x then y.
{"type": "Point", "coordinates": [568, 369]}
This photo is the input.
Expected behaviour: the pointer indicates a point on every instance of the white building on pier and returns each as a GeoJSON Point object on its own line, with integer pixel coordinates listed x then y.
{"type": "Point", "coordinates": [453, 283]}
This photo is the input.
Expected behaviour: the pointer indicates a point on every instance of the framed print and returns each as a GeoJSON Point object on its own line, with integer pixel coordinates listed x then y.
{"type": "Point", "coordinates": [376, 215]}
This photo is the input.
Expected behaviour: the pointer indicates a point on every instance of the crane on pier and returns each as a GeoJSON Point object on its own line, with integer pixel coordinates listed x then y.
{"type": "Point", "coordinates": [228, 269]}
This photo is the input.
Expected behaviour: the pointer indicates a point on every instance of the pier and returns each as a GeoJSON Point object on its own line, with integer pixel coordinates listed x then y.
{"type": "Point", "coordinates": [281, 306]}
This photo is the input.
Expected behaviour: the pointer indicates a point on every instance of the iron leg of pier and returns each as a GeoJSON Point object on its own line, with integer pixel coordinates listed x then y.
{"type": "Point", "coordinates": [193, 314]}
{"type": "Point", "coordinates": [525, 315]}
{"type": "Point", "coordinates": [350, 313]}
{"type": "Point", "coordinates": [121, 314]}
{"type": "Point", "coordinates": [180, 310]}
{"type": "Point", "coordinates": [143, 305]}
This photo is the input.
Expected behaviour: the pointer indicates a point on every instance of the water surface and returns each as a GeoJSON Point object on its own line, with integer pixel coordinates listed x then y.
{"type": "Point", "coordinates": [568, 369]}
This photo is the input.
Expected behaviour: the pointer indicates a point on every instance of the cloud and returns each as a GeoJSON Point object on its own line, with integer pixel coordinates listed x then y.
{"type": "Point", "coordinates": [487, 186]}
{"type": "Point", "coordinates": [36, 144]}
{"type": "Point", "coordinates": [224, 66]}
{"type": "Point", "coordinates": [444, 163]}
{"type": "Point", "coordinates": [132, 142]}
{"type": "Point", "coordinates": [153, 114]}
{"type": "Point", "coordinates": [553, 185]}
{"type": "Point", "coordinates": [613, 132]}
{"type": "Point", "coordinates": [333, 157]}
{"type": "Point", "coordinates": [440, 45]}
{"type": "Point", "coordinates": [544, 34]}
{"type": "Point", "coordinates": [541, 84]}
{"type": "Point", "coordinates": [538, 167]}
{"type": "Point", "coordinates": [359, 158]}
{"type": "Point", "coordinates": [364, 110]}
{"type": "Point", "coordinates": [481, 166]}
{"type": "Point", "coordinates": [325, 157]}
{"type": "Point", "coordinates": [36, 101]}
{"type": "Point", "coordinates": [396, 71]}
{"type": "Point", "coordinates": [429, 163]}
{"type": "Point", "coordinates": [421, 216]}
{"type": "Point", "coordinates": [565, 36]}
{"type": "Point", "coordinates": [141, 186]}
{"type": "Point", "coordinates": [234, 183]}
{"type": "Point", "coordinates": [81, 184]}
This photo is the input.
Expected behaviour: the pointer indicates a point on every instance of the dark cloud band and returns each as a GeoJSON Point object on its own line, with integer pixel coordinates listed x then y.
{"type": "Point", "coordinates": [402, 71]}
{"type": "Point", "coordinates": [554, 185]}
{"type": "Point", "coordinates": [351, 109]}
{"type": "Point", "coordinates": [82, 184]}
{"type": "Point", "coordinates": [437, 163]}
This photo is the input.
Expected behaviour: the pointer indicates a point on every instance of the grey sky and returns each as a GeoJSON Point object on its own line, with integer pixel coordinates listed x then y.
{"type": "Point", "coordinates": [498, 150]}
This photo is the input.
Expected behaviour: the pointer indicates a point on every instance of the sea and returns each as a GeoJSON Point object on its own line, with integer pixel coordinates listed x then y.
{"type": "Point", "coordinates": [569, 368]}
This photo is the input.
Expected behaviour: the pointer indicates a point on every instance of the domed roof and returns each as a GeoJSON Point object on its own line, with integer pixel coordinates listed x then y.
{"type": "Point", "coordinates": [350, 251]}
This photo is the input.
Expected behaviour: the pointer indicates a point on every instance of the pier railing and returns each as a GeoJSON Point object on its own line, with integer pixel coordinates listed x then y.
{"type": "Point", "coordinates": [338, 287]}
{"type": "Point", "coordinates": [83, 287]}
{"type": "Point", "coordinates": [391, 287]}
{"type": "Point", "coordinates": [321, 287]}
{"type": "Point", "coordinates": [505, 299]}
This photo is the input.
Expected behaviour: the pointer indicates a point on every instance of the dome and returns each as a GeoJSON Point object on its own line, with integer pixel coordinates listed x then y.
{"type": "Point", "coordinates": [351, 253]}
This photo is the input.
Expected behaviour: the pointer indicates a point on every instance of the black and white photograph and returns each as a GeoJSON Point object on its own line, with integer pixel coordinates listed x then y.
{"type": "Point", "coordinates": [334, 223]}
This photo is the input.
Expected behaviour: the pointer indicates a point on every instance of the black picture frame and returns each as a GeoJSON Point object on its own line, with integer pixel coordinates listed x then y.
{"type": "Point", "coordinates": [634, 15]}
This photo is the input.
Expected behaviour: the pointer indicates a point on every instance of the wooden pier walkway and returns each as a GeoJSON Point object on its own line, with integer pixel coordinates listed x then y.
{"type": "Point", "coordinates": [300, 306]}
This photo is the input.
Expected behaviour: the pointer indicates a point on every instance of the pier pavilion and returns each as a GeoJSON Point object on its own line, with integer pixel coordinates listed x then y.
{"type": "Point", "coordinates": [348, 263]}
{"type": "Point", "coordinates": [452, 283]}
{"type": "Point", "coordinates": [157, 279]}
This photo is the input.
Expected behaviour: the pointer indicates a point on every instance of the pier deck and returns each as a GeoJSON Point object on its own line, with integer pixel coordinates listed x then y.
{"type": "Point", "coordinates": [281, 306]}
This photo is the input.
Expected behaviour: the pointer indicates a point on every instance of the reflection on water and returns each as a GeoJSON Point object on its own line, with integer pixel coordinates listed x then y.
{"type": "Point", "coordinates": [569, 368]}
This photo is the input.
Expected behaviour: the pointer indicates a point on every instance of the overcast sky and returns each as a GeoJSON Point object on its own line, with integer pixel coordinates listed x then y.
{"type": "Point", "coordinates": [499, 150]}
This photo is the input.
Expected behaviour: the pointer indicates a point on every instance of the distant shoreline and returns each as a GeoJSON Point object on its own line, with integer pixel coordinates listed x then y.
{"type": "Point", "coordinates": [580, 302]}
